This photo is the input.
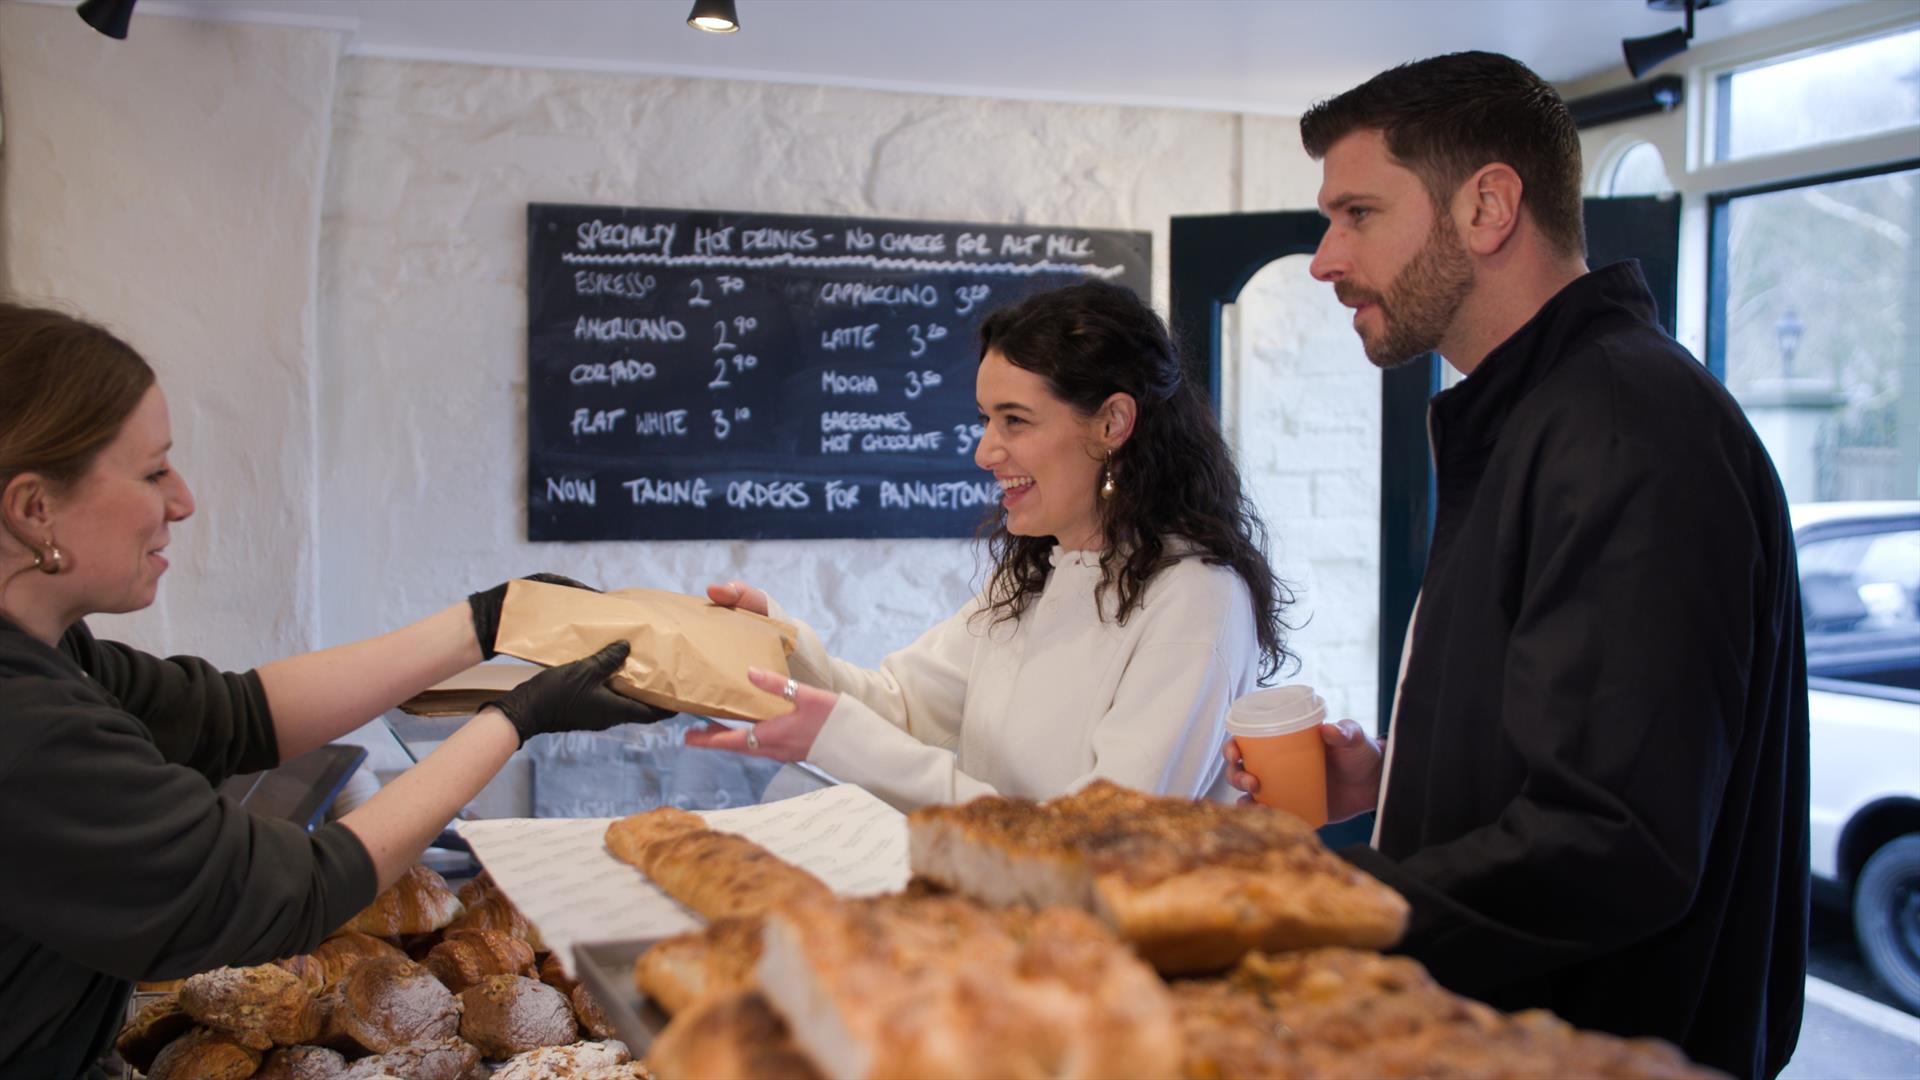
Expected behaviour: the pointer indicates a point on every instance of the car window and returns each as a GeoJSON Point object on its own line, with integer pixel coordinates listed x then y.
{"type": "Point", "coordinates": [1863, 582]}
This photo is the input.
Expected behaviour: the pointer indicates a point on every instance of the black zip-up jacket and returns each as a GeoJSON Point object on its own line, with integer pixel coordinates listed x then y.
{"type": "Point", "coordinates": [118, 862]}
{"type": "Point", "coordinates": [1596, 796]}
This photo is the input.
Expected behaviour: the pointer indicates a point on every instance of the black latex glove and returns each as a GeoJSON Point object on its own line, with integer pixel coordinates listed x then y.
{"type": "Point", "coordinates": [575, 697]}
{"type": "Point", "coordinates": [486, 608]}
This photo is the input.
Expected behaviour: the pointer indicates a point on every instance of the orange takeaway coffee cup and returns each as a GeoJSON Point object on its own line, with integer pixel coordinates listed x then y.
{"type": "Point", "coordinates": [1278, 733]}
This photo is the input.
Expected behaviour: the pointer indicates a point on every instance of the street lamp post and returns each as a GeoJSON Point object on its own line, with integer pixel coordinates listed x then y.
{"type": "Point", "coordinates": [1787, 332]}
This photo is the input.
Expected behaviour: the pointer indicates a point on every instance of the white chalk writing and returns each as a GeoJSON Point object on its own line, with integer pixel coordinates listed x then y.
{"type": "Point", "coordinates": [777, 495]}
{"type": "Point", "coordinates": [954, 495]}
{"type": "Point", "coordinates": [658, 328]}
{"type": "Point", "coordinates": [867, 293]}
{"type": "Point", "coordinates": [630, 284]}
{"type": "Point", "coordinates": [832, 382]}
{"type": "Point", "coordinates": [919, 440]}
{"type": "Point", "coordinates": [596, 234]}
{"type": "Point", "coordinates": [595, 421]}
{"type": "Point", "coordinates": [831, 422]}
{"type": "Point", "coordinates": [669, 422]}
{"type": "Point", "coordinates": [647, 491]}
{"type": "Point", "coordinates": [842, 496]}
{"type": "Point", "coordinates": [582, 492]}
{"type": "Point", "coordinates": [620, 371]}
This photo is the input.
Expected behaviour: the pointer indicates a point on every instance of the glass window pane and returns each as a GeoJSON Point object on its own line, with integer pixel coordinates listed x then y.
{"type": "Point", "coordinates": [1640, 171]}
{"type": "Point", "coordinates": [1860, 88]}
{"type": "Point", "coordinates": [1823, 333]}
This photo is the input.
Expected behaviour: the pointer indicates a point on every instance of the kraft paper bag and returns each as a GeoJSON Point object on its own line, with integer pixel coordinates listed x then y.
{"type": "Point", "coordinates": [689, 654]}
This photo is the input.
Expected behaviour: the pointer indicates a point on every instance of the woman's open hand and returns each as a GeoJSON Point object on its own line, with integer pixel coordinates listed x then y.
{"type": "Point", "coordinates": [788, 737]}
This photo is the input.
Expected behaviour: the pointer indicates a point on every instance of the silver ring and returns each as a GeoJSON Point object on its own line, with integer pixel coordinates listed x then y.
{"type": "Point", "coordinates": [792, 688]}
{"type": "Point", "coordinates": [753, 739]}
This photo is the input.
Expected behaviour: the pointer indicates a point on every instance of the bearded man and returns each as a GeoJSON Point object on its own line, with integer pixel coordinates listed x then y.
{"type": "Point", "coordinates": [1594, 792]}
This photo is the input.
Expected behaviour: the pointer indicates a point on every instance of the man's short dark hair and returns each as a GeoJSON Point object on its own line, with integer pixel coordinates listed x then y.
{"type": "Point", "coordinates": [1446, 117]}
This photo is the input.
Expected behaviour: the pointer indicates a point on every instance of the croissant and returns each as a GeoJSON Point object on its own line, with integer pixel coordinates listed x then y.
{"type": "Point", "coordinates": [555, 975]}
{"type": "Point", "coordinates": [495, 912]}
{"type": "Point", "coordinates": [476, 889]}
{"type": "Point", "coordinates": [160, 1022]}
{"type": "Point", "coordinates": [464, 957]}
{"type": "Point", "coordinates": [592, 1019]}
{"type": "Point", "coordinates": [335, 957]}
{"type": "Point", "coordinates": [418, 903]}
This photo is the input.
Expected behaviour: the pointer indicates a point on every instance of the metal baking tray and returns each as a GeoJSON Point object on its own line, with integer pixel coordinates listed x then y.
{"type": "Point", "coordinates": [606, 969]}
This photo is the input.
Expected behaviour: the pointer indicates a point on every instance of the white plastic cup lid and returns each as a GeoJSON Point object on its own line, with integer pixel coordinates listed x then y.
{"type": "Point", "coordinates": [1282, 710]}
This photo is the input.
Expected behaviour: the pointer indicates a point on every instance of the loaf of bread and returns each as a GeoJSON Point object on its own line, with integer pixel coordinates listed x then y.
{"type": "Point", "coordinates": [578, 1061]}
{"type": "Point", "coordinates": [717, 874]}
{"type": "Point", "coordinates": [205, 1054]}
{"type": "Point", "coordinates": [444, 1059]}
{"type": "Point", "coordinates": [302, 1063]}
{"type": "Point", "coordinates": [335, 957]}
{"type": "Point", "coordinates": [419, 903]}
{"type": "Point", "coordinates": [505, 1015]}
{"type": "Point", "coordinates": [464, 957]}
{"type": "Point", "coordinates": [387, 1003]}
{"type": "Point", "coordinates": [261, 1007]}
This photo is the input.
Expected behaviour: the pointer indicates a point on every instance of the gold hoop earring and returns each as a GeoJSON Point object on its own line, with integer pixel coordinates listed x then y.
{"type": "Point", "coordinates": [50, 561]}
{"type": "Point", "coordinates": [1106, 477]}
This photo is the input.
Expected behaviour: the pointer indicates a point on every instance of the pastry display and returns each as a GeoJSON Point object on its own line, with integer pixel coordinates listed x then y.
{"type": "Point", "coordinates": [1192, 886]}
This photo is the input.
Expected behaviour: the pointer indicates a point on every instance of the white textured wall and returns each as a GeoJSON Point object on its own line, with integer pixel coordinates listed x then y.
{"type": "Point", "coordinates": [424, 268]}
{"type": "Point", "coordinates": [169, 186]}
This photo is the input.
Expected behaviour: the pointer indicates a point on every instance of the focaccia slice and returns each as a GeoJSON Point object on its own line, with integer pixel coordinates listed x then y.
{"type": "Point", "coordinates": [711, 962]}
{"type": "Point", "coordinates": [1193, 886]}
{"type": "Point", "coordinates": [941, 987]}
{"type": "Point", "coordinates": [719, 959]}
{"type": "Point", "coordinates": [717, 874]}
{"type": "Point", "coordinates": [1342, 1014]}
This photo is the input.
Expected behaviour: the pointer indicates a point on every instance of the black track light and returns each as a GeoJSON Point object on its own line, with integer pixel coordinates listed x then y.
{"type": "Point", "coordinates": [110, 17]}
{"type": "Point", "coordinates": [714, 16]}
{"type": "Point", "coordinates": [1646, 53]}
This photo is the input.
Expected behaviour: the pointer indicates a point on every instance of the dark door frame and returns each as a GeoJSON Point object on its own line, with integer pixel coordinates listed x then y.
{"type": "Point", "coordinates": [1213, 257]}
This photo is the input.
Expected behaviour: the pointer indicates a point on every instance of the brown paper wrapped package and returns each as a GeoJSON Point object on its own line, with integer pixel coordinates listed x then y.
{"type": "Point", "coordinates": [688, 654]}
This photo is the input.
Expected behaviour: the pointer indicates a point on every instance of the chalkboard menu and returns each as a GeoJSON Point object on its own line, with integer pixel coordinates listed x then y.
{"type": "Point", "coordinates": [706, 375]}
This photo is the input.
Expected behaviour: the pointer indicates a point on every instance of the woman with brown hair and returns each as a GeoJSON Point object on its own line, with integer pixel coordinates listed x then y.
{"type": "Point", "coordinates": [1130, 600]}
{"type": "Point", "coordinates": [121, 862]}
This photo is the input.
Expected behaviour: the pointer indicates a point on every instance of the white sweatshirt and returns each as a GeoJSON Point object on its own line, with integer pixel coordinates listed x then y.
{"type": "Point", "coordinates": [1041, 706]}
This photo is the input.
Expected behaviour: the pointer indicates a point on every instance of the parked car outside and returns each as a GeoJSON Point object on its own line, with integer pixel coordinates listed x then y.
{"type": "Point", "coordinates": [1860, 595]}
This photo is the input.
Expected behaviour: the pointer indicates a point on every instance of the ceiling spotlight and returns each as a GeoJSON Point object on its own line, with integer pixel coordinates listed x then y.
{"type": "Point", "coordinates": [714, 16]}
{"type": "Point", "coordinates": [110, 17]}
{"type": "Point", "coordinates": [1646, 53]}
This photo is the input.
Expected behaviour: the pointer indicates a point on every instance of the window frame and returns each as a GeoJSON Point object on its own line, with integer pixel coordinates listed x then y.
{"type": "Point", "coordinates": [1713, 82]}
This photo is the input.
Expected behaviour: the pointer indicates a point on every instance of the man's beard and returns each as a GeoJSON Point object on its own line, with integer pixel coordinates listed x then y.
{"type": "Point", "coordinates": [1420, 303]}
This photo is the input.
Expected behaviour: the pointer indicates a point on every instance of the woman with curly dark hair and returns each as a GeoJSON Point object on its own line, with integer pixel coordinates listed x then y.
{"type": "Point", "coordinates": [1130, 600]}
